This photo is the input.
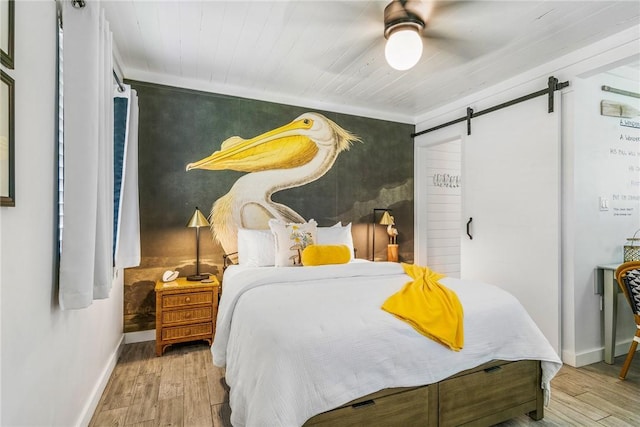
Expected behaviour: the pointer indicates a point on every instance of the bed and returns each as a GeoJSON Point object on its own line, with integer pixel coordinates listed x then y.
{"type": "Point", "coordinates": [310, 345]}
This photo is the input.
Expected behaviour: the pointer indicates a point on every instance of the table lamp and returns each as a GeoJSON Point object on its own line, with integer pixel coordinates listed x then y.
{"type": "Point", "coordinates": [385, 220]}
{"type": "Point", "coordinates": [198, 220]}
{"type": "Point", "coordinates": [392, 247]}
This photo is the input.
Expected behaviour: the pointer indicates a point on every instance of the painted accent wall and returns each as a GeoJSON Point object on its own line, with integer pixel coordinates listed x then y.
{"type": "Point", "coordinates": [180, 126]}
{"type": "Point", "coordinates": [54, 363]}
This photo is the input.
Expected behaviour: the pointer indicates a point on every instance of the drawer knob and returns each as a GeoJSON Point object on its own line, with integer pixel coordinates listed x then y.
{"type": "Point", "coordinates": [188, 331]}
{"type": "Point", "coordinates": [187, 315]}
{"type": "Point", "coordinates": [187, 299]}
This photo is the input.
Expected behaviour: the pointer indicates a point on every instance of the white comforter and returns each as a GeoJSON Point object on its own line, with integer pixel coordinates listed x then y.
{"type": "Point", "coordinates": [298, 341]}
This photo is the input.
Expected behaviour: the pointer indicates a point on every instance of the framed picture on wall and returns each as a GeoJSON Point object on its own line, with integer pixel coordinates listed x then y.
{"type": "Point", "coordinates": [7, 19]}
{"type": "Point", "coordinates": [7, 138]}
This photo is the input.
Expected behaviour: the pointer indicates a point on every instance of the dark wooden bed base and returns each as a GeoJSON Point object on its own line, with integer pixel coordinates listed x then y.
{"type": "Point", "coordinates": [485, 395]}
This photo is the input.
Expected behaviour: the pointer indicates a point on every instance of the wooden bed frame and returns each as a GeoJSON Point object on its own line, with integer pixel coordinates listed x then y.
{"type": "Point", "coordinates": [482, 396]}
{"type": "Point", "coordinates": [486, 395]}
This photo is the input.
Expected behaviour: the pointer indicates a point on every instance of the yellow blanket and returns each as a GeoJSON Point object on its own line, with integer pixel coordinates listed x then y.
{"type": "Point", "coordinates": [429, 307]}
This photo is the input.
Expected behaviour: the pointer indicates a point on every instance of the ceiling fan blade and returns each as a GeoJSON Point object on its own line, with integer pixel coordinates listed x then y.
{"type": "Point", "coordinates": [345, 54]}
{"type": "Point", "coordinates": [443, 6]}
{"type": "Point", "coordinates": [344, 13]}
{"type": "Point", "coordinates": [466, 48]}
{"type": "Point", "coordinates": [427, 9]}
{"type": "Point", "coordinates": [451, 30]}
{"type": "Point", "coordinates": [421, 9]}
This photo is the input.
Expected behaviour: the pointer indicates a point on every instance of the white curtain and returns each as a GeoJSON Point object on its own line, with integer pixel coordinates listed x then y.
{"type": "Point", "coordinates": [127, 243]}
{"type": "Point", "coordinates": [86, 259]}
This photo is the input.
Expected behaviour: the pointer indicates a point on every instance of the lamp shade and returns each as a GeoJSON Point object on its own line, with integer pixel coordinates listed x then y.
{"type": "Point", "coordinates": [404, 48]}
{"type": "Point", "coordinates": [198, 220]}
{"type": "Point", "coordinates": [386, 219]}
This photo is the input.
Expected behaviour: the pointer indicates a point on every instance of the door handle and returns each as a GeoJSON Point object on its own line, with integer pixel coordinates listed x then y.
{"type": "Point", "coordinates": [468, 226]}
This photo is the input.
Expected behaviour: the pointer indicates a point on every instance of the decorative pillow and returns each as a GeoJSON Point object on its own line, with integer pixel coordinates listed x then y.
{"type": "Point", "coordinates": [336, 235]}
{"type": "Point", "coordinates": [325, 254]}
{"type": "Point", "coordinates": [291, 239]}
{"type": "Point", "coordinates": [256, 248]}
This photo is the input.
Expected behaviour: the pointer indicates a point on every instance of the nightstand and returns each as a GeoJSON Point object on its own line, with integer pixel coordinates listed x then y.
{"type": "Point", "coordinates": [185, 311]}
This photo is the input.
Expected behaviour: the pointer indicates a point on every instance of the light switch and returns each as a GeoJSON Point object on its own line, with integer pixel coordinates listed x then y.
{"type": "Point", "coordinates": [604, 203]}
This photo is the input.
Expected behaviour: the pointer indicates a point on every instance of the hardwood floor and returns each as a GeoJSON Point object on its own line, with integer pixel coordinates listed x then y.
{"type": "Point", "coordinates": [592, 396]}
{"type": "Point", "coordinates": [183, 388]}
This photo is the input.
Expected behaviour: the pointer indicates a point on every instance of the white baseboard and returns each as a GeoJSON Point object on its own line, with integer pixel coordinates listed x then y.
{"type": "Point", "coordinates": [140, 336]}
{"type": "Point", "coordinates": [96, 394]}
{"type": "Point", "coordinates": [568, 358]}
{"type": "Point", "coordinates": [578, 360]}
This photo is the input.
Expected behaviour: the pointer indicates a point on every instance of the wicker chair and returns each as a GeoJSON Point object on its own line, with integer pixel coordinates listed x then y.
{"type": "Point", "coordinates": [628, 277]}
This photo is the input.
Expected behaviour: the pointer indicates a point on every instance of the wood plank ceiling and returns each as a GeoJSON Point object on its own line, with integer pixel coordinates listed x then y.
{"type": "Point", "coordinates": [330, 54]}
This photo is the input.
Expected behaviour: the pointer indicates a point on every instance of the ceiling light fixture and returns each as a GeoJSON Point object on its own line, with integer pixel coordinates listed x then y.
{"type": "Point", "coordinates": [402, 30]}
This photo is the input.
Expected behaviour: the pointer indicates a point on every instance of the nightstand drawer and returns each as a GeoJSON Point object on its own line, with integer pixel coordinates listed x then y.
{"type": "Point", "coordinates": [186, 299]}
{"type": "Point", "coordinates": [190, 315]}
{"type": "Point", "coordinates": [178, 332]}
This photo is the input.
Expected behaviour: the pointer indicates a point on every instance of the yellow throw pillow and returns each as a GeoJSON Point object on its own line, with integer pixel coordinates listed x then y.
{"type": "Point", "coordinates": [325, 254]}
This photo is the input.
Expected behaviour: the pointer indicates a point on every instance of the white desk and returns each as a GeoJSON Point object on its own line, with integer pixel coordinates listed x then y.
{"type": "Point", "coordinates": [609, 291]}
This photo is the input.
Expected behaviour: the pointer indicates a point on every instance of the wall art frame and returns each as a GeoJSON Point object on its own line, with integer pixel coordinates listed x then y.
{"type": "Point", "coordinates": [7, 140]}
{"type": "Point", "coordinates": [7, 24]}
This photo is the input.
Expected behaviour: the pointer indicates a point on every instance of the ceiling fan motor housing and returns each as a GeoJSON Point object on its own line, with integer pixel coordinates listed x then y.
{"type": "Point", "coordinates": [397, 15]}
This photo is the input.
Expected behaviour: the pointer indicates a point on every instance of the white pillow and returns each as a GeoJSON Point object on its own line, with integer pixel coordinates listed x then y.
{"type": "Point", "coordinates": [256, 248]}
{"type": "Point", "coordinates": [291, 239]}
{"type": "Point", "coordinates": [336, 235]}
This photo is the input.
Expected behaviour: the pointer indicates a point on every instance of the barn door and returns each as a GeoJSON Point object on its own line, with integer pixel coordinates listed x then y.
{"type": "Point", "coordinates": [511, 195]}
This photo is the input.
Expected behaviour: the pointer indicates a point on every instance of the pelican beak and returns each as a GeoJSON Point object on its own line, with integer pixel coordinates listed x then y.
{"type": "Point", "coordinates": [282, 148]}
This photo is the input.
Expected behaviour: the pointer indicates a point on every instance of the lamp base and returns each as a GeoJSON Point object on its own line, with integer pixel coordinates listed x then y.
{"type": "Point", "coordinates": [392, 252]}
{"type": "Point", "coordinates": [197, 277]}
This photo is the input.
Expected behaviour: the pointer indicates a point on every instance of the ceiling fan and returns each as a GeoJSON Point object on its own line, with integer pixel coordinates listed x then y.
{"type": "Point", "coordinates": [440, 25]}
{"type": "Point", "coordinates": [404, 22]}
{"type": "Point", "coordinates": [407, 23]}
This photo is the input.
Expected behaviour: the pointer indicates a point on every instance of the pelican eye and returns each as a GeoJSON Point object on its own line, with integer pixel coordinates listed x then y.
{"type": "Point", "coordinates": [305, 123]}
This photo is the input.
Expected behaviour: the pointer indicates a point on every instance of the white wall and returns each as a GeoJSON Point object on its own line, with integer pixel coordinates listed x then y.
{"type": "Point", "coordinates": [443, 204]}
{"type": "Point", "coordinates": [582, 333]}
{"type": "Point", "coordinates": [599, 236]}
{"type": "Point", "coordinates": [54, 363]}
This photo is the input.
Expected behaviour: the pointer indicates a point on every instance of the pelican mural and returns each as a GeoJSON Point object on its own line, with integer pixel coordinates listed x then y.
{"type": "Point", "coordinates": [290, 156]}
